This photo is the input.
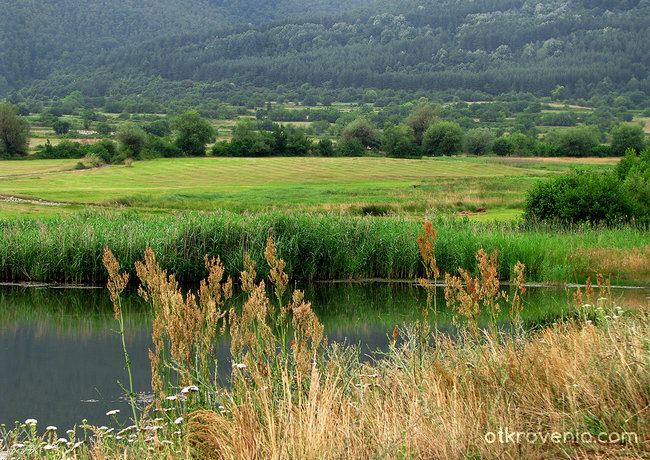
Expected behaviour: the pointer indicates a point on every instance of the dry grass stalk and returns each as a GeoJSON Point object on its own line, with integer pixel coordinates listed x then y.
{"type": "Point", "coordinates": [571, 378]}
{"type": "Point", "coordinates": [116, 284]}
{"type": "Point", "coordinates": [183, 327]}
{"type": "Point", "coordinates": [558, 381]}
{"type": "Point", "coordinates": [427, 245]}
{"type": "Point", "coordinates": [469, 295]}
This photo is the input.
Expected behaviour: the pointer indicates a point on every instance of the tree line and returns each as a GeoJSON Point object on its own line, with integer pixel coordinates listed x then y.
{"type": "Point", "coordinates": [409, 49]}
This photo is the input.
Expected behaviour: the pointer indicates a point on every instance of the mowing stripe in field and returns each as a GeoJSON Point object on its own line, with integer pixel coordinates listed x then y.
{"type": "Point", "coordinates": [21, 167]}
{"type": "Point", "coordinates": [254, 183]}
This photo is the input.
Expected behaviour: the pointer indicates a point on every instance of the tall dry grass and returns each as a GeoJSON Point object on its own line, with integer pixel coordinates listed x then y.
{"type": "Point", "coordinates": [580, 388]}
{"type": "Point", "coordinates": [569, 379]}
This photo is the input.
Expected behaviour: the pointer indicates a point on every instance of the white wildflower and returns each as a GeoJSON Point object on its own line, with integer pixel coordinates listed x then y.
{"type": "Point", "coordinates": [189, 389]}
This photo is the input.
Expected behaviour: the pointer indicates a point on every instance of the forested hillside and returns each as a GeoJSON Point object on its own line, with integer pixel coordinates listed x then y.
{"type": "Point", "coordinates": [571, 49]}
{"type": "Point", "coordinates": [37, 37]}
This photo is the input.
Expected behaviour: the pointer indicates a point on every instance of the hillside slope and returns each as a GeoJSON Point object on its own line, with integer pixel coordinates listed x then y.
{"type": "Point", "coordinates": [37, 37]}
{"type": "Point", "coordinates": [487, 46]}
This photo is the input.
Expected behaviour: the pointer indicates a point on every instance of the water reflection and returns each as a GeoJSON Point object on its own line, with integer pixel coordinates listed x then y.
{"type": "Point", "coordinates": [60, 357]}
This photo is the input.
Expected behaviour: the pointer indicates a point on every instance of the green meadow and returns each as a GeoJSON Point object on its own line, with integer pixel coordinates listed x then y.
{"type": "Point", "coordinates": [490, 188]}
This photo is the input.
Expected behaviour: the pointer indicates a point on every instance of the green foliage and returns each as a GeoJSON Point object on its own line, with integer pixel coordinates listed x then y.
{"type": "Point", "coordinates": [158, 128]}
{"type": "Point", "coordinates": [65, 149]}
{"type": "Point", "coordinates": [156, 147]}
{"type": "Point", "coordinates": [14, 132]}
{"type": "Point", "coordinates": [192, 133]}
{"type": "Point", "coordinates": [482, 49]}
{"type": "Point", "coordinates": [503, 146]}
{"type": "Point", "coordinates": [103, 128]}
{"type": "Point", "coordinates": [131, 138]}
{"type": "Point", "coordinates": [609, 197]}
{"type": "Point", "coordinates": [444, 138]}
{"type": "Point", "coordinates": [575, 142]}
{"type": "Point", "coordinates": [247, 140]}
{"type": "Point", "coordinates": [626, 136]}
{"type": "Point", "coordinates": [423, 116]}
{"type": "Point", "coordinates": [361, 130]}
{"type": "Point", "coordinates": [69, 248]}
{"type": "Point", "coordinates": [350, 148]}
{"type": "Point", "coordinates": [106, 150]}
{"type": "Point", "coordinates": [61, 127]}
{"type": "Point", "coordinates": [325, 148]}
{"type": "Point", "coordinates": [399, 141]}
{"type": "Point", "coordinates": [478, 141]}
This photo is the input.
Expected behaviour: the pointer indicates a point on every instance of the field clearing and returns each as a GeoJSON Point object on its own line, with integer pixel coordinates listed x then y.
{"type": "Point", "coordinates": [22, 167]}
{"type": "Point", "coordinates": [564, 160]}
{"type": "Point", "coordinates": [342, 185]}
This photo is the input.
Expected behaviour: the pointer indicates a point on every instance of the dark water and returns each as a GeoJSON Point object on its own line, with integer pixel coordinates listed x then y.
{"type": "Point", "coordinates": [61, 359]}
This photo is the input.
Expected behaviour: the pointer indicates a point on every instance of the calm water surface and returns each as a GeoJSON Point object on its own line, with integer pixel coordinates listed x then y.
{"type": "Point", "coordinates": [61, 359]}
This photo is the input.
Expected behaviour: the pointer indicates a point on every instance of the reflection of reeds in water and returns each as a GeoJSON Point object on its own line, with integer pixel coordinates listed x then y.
{"type": "Point", "coordinates": [441, 397]}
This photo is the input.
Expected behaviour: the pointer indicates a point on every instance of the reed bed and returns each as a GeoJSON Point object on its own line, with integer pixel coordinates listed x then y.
{"type": "Point", "coordinates": [578, 388]}
{"type": "Point", "coordinates": [70, 248]}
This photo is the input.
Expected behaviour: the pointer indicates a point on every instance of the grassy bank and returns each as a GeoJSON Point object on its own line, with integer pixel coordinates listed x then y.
{"type": "Point", "coordinates": [69, 248]}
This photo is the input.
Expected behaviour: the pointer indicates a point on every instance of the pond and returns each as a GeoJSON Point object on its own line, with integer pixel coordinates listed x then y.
{"type": "Point", "coordinates": [61, 359]}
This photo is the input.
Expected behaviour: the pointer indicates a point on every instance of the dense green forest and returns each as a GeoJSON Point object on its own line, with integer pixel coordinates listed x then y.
{"type": "Point", "coordinates": [208, 51]}
{"type": "Point", "coordinates": [37, 38]}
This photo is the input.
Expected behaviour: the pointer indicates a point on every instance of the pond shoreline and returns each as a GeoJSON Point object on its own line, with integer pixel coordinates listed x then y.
{"type": "Point", "coordinates": [56, 285]}
{"type": "Point", "coordinates": [315, 247]}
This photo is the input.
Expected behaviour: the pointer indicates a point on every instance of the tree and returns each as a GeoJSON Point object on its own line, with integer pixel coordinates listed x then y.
{"type": "Point", "coordinates": [192, 133]}
{"type": "Point", "coordinates": [399, 141]}
{"type": "Point", "coordinates": [626, 136]}
{"type": "Point", "coordinates": [479, 141]}
{"type": "Point", "coordinates": [420, 119]}
{"type": "Point", "coordinates": [61, 127]}
{"type": "Point", "coordinates": [444, 138]}
{"type": "Point", "coordinates": [158, 128]}
{"type": "Point", "coordinates": [325, 148]}
{"type": "Point", "coordinates": [298, 144]}
{"type": "Point", "coordinates": [363, 131]}
{"type": "Point", "coordinates": [131, 138]}
{"type": "Point", "coordinates": [503, 146]}
{"type": "Point", "coordinates": [14, 132]}
{"type": "Point", "coordinates": [103, 128]}
{"type": "Point", "coordinates": [575, 142]}
{"type": "Point", "coordinates": [350, 148]}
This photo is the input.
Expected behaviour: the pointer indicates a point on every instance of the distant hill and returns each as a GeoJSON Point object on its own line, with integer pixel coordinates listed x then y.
{"type": "Point", "coordinates": [577, 48]}
{"type": "Point", "coordinates": [37, 37]}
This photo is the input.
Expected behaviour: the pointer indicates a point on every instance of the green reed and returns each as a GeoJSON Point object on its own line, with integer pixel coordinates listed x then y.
{"type": "Point", "coordinates": [314, 246]}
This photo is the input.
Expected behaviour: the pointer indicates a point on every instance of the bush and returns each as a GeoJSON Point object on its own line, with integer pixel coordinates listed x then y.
{"type": "Point", "coordinates": [350, 148]}
{"type": "Point", "coordinates": [444, 138]}
{"type": "Point", "coordinates": [575, 142]}
{"type": "Point", "coordinates": [324, 148]}
{"type": "Point", "coordinates": [61, 127]}
{"type": "Point", "coordinates": [479, 141]}
{"type": "Point", "coordinates": [66, 149]}
{"type": "Point", "coordinates": [627, 136]}
{"type": "Point", "coordinates": [105, 150]}
{"type": "Point", "coordinates": [503, 146]}
{"type": "Point", "coordinates": [609, 197]}
{"type": "Point", "coordinates": [361, 130]}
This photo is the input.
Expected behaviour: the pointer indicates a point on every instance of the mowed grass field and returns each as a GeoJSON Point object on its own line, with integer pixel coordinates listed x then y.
{"type": "Point", "coordinates": [486, 187]}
